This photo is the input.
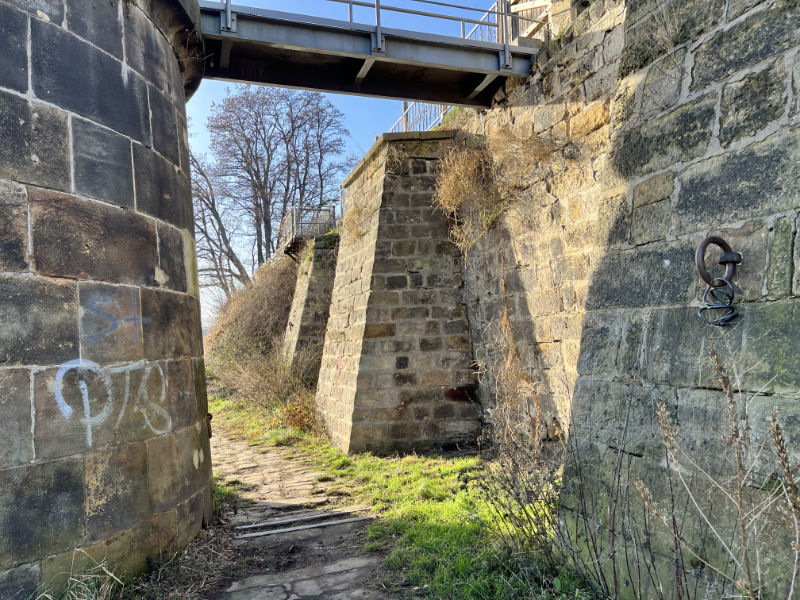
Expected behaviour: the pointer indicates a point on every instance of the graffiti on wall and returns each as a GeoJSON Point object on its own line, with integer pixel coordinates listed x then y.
{"type": "Point", "coordinates": [96, 393]}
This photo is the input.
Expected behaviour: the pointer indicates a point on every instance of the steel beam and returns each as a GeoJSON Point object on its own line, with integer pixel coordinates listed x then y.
{"type": "Point", "coordinates": [316, 53]}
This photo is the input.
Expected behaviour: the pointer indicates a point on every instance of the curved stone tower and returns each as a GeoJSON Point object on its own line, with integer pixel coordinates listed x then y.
{"type": "Point", "coordinates": [103, 423]}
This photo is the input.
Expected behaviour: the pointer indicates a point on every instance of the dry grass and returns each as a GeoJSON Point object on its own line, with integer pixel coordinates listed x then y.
{"type": "Point", "coordinates": [95, 582]}
{"type": "Point", "coordinates": [255, 319]}
{"type": "Point", "coordinates": [285, 391]}
{"type": "Point", "coordinates": [763, 509]}
{"type": "Point", "coordinates": [244, 350]}
{"type": "Point", "coordinates": [477, 183]}
{"type": "Point", "coordinates": [467, 192]}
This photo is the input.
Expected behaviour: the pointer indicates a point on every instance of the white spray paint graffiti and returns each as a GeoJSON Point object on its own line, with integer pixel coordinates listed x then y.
{"type": "Point", "coordinates": [150, 410]}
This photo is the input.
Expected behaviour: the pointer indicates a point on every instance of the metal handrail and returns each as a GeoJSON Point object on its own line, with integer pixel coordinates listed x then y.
{"type": "Point", "coordinates": [423, 116]}
{"type": "Point", "coordinates": [409, 11]}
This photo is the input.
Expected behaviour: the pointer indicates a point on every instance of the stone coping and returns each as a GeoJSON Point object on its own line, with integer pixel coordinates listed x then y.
{"type": "Point", "coordinates": [387, 138]}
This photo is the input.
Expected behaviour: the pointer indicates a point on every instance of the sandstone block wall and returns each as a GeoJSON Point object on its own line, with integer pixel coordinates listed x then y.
{"type": "Point", "coordinates": [308, 316]}
{"type": "Point", "coordinates": [663, 131]}
{"type": "Point", "coordinates": [396, 367]}
{"type": "Point", "coordinates": [101, 374]}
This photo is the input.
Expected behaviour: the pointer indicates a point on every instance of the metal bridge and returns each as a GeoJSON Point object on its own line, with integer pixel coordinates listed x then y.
{"type": "Point", "coordinates": [297, 50]}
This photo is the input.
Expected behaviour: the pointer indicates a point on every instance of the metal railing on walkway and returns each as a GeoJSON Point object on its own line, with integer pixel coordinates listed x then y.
{"type": "Point", "coordinates": [521, 20]}
{"type": "Point", "coordinates": [306, 223]}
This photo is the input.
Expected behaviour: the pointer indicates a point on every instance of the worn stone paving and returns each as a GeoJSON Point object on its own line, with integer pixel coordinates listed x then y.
{"type": "Point", "coordinates": [315, 563]}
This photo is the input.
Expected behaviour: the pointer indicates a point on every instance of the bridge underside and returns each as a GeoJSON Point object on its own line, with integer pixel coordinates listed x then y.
{"type": "Point", "coordinates": [300, 51]}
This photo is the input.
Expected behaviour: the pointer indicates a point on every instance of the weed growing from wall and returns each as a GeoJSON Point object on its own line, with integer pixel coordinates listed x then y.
{"type": "Point", "coordinates": [479, 180]}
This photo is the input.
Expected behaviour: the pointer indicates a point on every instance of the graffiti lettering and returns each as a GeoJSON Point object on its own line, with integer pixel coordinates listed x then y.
{"type": "Point", "coordinates": [153, 412]}
{"type": "Point", "coordinates": [113, 322]}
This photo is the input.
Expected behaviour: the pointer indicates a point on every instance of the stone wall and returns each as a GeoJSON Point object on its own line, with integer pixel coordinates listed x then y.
{"type": "Point", "coordinates": [101, 375]}
{"type": "Point", "coordinates": [396, 367]}
{"type": "Point", "coordinates": [308, 316]}
{"type": "Point", "coordinates": [666, 123]}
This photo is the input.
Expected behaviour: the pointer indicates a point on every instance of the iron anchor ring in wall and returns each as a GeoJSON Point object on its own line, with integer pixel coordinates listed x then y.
{"type": "Point", "coordinates": [718, 298]}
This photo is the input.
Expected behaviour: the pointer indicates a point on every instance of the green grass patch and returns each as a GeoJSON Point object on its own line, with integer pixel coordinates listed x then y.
{"type": "Point", "coordinates": [433, 523]}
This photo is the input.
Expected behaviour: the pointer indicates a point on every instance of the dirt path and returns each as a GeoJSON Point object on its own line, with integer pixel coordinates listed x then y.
{"type": "Point", "coordinates": [316, 548]}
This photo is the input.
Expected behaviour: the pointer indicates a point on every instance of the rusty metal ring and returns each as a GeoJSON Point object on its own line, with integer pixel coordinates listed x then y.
{"type": "Point", "coordinates": [729, 259]}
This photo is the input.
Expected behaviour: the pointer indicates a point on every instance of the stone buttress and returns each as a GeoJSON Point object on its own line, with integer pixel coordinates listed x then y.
{"type": "Point", "coordinates": [396, 366]}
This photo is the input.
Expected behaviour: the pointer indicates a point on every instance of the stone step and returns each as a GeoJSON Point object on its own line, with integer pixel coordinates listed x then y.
{"type": "Point", "coordinates": [256, 534]}
{"type": "Point", "coordinates": [305, 516]}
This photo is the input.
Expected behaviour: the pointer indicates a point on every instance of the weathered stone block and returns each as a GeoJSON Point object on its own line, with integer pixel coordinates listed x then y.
{"type": "Point", "coordinates": [40, 152]}
{"type": "Point", "coordinates": [796, 86]}
{"type": "Point", "coordinates": [40, 321]}
{"type": "Point", "coordinates": [182, 393]}
{"type": "Point", "coordinates": [648, 222]}
{"type": "Point", "coordinates": [769, 357]}
{"type": "Point", "coordinates": [612, 226]}
{"type": "Point", "coordinates": [663, 84]}
{"type": "Point", "coordinates": [655, 189]}
{"type": "Point", "coordinates": [739, 7]}
{"type": "Point", "coordinates": [116, 490]}
{"type": "Point", "coordinates": [171, 326]}
{"type": "Point", "coordinates": [779, 271]}
{"type": "Point", "coordinates": [132, 550]}
{"type": "Point", "coordinates": [623, 104]}
{"type": "Point", "coordinates": [98, 21]}
{"type": "Point", "coordinates": [716, 187]}
{"type": "Point", "coordinates": [589, 119]}
{"type": "Point", "coordinates": [15, 426]}
{"type": "Point", "coordinates": [111, 323]}
{"type": "Point", "coordinates": [87, 240]}
{"type": "Point", "coordinates": [758, 37]}
{"type": "Point", "coordinates": [48, 10]}
{"type": "Point", "coordinates": [178, 466]}
{"type": "Point", "coordinates": [750, 104]}
{"type": "Point", "coordinates": [13, 55]}
{"type": "Point", "coordinates": [193, 515]}
{"type": "Point", "coordinates": [379, 330]}
{"type": "Point", "coordinates": [41, 510]}
{"type": "Point", "coordinates": [102, 164]}
{"type": "Point", "coordinates": [13, 227]}
{"type": "Point", "coordinates": [20, 583]}
{"type": "Point", "coordinates": [106, 92]}
{"type": "Point", "coordinates": [161, 190]}
{"type": "Point", "coordinates": [680, 135]}
{"type": "Point", "coordinates": [148, 52]}
{"type": "Point", "coordinates": [171, 258]}
{"type": "Point", "coordinates": [643, 277]}
{"type": "Point", "coordinates": [124, 404]}
{"type": "Point", "coordinates": [164, 122]}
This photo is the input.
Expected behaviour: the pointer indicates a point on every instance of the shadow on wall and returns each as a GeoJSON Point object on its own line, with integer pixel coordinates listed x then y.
{"type": "Point", "coordinates": [599, 283]}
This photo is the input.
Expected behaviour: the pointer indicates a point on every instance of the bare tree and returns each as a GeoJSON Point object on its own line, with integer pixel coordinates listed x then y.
{"type": "Point", "coordinates": [274, 150]}
{"type": "Point", "coordinates": [220, 264]}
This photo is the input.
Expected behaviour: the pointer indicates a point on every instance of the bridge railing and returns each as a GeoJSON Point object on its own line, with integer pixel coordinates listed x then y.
{"type": "Point", "coordinates": [491, 25]}
{"type": "Point", "coordinates": [306, 223]}
{"type": "Point", "coordinates": [501, 23]}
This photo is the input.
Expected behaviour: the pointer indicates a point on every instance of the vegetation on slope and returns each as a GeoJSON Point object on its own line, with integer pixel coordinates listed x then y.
{"type": "Point", "coordinates": [437, 523]}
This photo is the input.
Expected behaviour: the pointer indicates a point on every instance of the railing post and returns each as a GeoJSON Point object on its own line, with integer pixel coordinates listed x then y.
{"type": "Point", "coordinates": [378, 34]}
{"type": "Point", "coordinates": [506, 48]}
{"type": "Point", "coordinates": [350, 11]}
{"type": "Point", "coordinates": [405, 116]}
